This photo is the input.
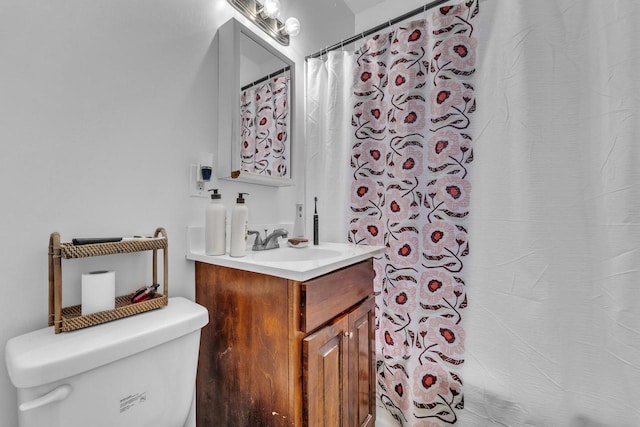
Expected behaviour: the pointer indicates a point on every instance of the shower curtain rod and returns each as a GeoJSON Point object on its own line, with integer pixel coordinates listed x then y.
{"type": "Point", "coordinates": [374, 30]}
{"type": "Point", "coordinates": [262, 79]}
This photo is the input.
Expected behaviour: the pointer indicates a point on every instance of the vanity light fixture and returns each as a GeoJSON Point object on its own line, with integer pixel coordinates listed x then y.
{"type": "Point", "coordinates": [265, 15]}
{"type": "Point", "coordinates": [271, 8]}
{"type": "Point", "coordinates": [291, 26]}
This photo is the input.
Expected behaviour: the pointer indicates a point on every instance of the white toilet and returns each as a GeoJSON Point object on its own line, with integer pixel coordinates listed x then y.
{"type": "Point", "coordinates": [138, 371]}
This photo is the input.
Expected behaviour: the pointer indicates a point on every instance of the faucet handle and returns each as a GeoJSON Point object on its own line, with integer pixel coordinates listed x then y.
{"type": "Point", "coordinates": [258, 240]}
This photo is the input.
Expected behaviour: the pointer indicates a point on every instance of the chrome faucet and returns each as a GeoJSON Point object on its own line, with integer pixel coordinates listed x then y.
{"type": "Point", "coordinates": [270, 241]}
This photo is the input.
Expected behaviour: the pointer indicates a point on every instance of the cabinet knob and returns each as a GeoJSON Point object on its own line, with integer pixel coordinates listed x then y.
{"type": "Point", "coordinates": [348, 334]}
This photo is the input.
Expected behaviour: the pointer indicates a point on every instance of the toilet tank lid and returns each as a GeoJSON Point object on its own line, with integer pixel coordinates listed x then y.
{"type": "Point", "coordinates": [41, 357]}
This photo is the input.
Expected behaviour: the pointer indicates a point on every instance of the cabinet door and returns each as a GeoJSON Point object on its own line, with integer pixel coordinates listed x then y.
{"type": "Point", "coordinates": [362, 364]}
{"type": "Point", "coordinates": [325, 361]}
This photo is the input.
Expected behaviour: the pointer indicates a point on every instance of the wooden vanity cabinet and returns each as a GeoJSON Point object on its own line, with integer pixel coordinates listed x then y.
{"type": "Point", "coordinates": [279, 352]}
{"type": "Point", "coordinates": [338, 371]}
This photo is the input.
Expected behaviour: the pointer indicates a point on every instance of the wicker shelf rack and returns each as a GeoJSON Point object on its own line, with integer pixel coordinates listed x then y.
{"type": "Point", "coordinates": [70, 318]}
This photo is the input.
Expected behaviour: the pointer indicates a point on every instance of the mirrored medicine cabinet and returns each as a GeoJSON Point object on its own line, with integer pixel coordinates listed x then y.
{"type": "Point", "coordinates": [255, 111]}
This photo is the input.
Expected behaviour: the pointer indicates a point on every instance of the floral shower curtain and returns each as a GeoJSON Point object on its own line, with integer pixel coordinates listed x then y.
{"type": "Point", "coordinates": [264, 121]}
{"type": "Point", "coordinates": [412, 150]}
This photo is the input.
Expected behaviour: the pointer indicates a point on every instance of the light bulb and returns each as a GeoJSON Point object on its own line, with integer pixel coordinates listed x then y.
{"type": "Point", "coordinates": [272, 8]}
{"type": "Point", "coordinates": [292, 26]}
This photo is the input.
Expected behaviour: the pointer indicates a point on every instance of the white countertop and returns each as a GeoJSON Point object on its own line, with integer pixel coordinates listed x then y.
{"type": "Point", "coordinates": [298, 264]}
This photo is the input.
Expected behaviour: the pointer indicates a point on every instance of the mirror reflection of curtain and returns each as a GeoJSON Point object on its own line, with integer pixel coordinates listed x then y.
{"type": "Point", "coordinates": [264, 121]}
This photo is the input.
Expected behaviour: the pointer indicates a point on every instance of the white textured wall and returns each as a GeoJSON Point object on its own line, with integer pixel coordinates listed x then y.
{"type": "Point", "coordinates": [103, 106]}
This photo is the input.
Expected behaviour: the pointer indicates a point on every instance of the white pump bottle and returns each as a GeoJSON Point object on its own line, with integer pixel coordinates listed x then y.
{"type": "Point", "coordinates": [215, 226]}
{"type": "Point", "coordinates": [239, 223]}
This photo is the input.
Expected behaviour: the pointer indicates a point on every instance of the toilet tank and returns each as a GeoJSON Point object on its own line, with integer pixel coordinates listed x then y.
{"type": "Point", "coordinates": [138, 371]}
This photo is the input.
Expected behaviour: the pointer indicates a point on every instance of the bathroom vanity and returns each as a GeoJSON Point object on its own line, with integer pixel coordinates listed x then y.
{"type": "Point", "coordinates": [286, 349]}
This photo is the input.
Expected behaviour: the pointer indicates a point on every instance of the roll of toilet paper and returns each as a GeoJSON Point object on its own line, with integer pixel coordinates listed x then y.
{"type": "Point", "coordinates": [98, 291]}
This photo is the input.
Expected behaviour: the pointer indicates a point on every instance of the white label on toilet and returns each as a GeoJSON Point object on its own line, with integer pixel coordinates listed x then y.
{"type": "Point", "coordinates": [132, 400]}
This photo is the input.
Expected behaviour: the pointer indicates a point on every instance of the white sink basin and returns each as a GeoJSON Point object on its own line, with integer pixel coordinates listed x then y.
{"type": "Point", "coordinates": [284, 254]}
{"type": "Point", "coordinates": [290, 263]}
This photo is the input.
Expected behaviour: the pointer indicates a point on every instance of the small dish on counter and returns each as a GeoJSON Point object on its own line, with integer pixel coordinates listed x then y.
{"type": "Point", "coordinates": [298, 242]}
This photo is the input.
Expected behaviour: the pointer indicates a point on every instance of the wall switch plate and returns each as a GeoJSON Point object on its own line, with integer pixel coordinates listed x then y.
{"type": "Point", "coordinates": [196, 188]}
